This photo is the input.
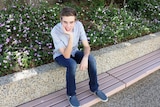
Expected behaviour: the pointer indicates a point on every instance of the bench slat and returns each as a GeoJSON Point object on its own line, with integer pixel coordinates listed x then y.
{"type": "Point", "coordinates": [43, 99]}
{"type": "Point", "coordinates": [147, 61]}
{"type": "Point", "coordinates": [141, 74]}
{"type": "Point", "coordinates": [137, 69]}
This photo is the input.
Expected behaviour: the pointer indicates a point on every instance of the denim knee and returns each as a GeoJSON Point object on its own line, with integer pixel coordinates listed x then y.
{"type": "Point", "coordinates": [71, 66]}
{"type": "Point", "coordinates": [91, 60]}
{"type": "Point", "coordinates": [92, 69]}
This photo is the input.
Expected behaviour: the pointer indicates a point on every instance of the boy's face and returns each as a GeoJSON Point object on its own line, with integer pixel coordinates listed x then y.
{"type": "Point", "coordinates": [68, 22]}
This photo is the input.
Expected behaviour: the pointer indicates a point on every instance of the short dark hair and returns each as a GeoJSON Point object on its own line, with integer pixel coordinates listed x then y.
{"type": "Point", "coordinates": [68, 11]}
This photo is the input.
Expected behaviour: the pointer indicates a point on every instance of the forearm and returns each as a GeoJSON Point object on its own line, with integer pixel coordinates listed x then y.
{"type": "Point", "coordinates": [84, 62]}
{"type": "Point", "coordinates": [68, 49]}
{"type": "Point", "coordinates": [87, 51]}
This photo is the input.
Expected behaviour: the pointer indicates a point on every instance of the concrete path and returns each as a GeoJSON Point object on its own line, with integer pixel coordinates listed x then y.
{"type": "Point", "coordinates": [144, 93]}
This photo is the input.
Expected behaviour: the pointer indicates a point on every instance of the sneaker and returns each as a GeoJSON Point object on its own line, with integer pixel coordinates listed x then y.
{"type": "Point", "coordinates": [101, 95]}
{"type": "Point", "coordinates": [73, 101]}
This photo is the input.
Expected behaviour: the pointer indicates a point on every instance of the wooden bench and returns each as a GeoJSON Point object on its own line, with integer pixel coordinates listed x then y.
{"type": "Point", "coordinates": [110, 82]}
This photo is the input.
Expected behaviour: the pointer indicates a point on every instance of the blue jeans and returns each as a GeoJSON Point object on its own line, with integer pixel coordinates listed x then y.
{"type": "Point", "coordinates": [71, 65]}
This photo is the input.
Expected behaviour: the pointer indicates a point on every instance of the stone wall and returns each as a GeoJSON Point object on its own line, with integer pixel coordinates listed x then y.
{"type": "Point", "coordinates": [29, 84]}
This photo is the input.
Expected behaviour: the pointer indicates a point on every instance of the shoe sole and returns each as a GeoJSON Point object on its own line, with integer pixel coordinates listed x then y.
{"type": "Point", "coordinates": [99, 98]}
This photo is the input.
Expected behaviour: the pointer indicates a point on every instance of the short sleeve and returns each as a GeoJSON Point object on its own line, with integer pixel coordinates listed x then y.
{"type": "Point", "coordinates": [56, 40]}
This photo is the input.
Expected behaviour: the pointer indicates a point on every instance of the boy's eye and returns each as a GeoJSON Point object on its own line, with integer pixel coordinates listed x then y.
{"type": "Point", "coordinates": [71, 22]}
{"type": "Point", "coordinates": [65, 22]}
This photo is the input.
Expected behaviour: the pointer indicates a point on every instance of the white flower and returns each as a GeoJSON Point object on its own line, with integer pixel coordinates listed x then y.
{"type": "Point", "coordinates": [7, 26]}
{"type": "Point", "coordinates": [5, 61]}
{"type": "Point", "coordinates": [9, 30]}
{"type": "Point", "coordinates": [10, 16]}
{"type": "Point", "coordinates": [14, 28]}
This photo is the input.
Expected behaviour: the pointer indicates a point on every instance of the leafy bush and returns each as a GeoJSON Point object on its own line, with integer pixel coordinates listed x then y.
{"type": "Point", "coordinates": [147, 8]}
{"type": "Point", "coordinates": [25, 36]}
{"type": "Point", "coordinates": [25, 39]}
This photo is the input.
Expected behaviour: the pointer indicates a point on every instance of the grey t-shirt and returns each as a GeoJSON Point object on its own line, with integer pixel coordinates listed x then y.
{"type": "Point", "coordinates": [60, 39]}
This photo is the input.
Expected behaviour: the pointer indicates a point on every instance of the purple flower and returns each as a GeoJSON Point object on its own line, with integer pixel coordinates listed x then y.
{"type": "Point", "coordinates": [28, 16]}
{"type": "Point", "coordinates": [14, 28]}
{"type": "Point", "coordinates": [50, 47]}
{"type": "Point", "coordinates": [14, 6]}
{"type": "Point", "coordinates": [11, 65]}
{"type": "Point", "coordinates": [35, 54]}
{"type": "Point", "coordinates": [26, 52]}
{"type": "Point", "coordinates": [156, 21]}
{"type": "Point", "coordinates": [7, 40]}
{"type": "Point", "coordinates": [1, 45]}
{"type": "Point", "coordinates": [31, 46]}
{"type": "Point", "coordinates": [19, 61]}
{"type": "Point", "coordinates": [4, 9]}
{"type": "Point", "coordinates": [1, 25]}
{"type": "Point", "coordinates": [26, 28]}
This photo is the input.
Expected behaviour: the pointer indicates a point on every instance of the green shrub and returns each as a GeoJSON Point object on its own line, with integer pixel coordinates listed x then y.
{"type": "Point", "coordinates": [25, 36]}
{"type": "Point", "coordinates": [145, 8]}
